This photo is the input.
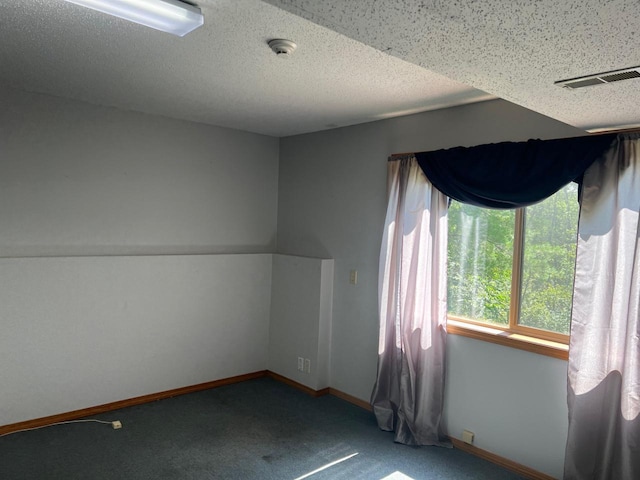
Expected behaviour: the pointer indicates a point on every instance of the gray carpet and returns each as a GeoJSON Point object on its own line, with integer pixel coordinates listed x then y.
{"type": "Point", "coordinates": [260, 429]}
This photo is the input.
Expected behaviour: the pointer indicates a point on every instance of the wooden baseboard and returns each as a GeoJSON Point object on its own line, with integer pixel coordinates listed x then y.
{"type": "Point", "coordinates": [108, 407]}
{"type": "Point", "coordinates": [319, 393]}
{"type": "Point", "coordinates": [351, 399]}
{"type": "Point", "coordinates": [515, 467]}
{"type": "Point", "coordinates": [297, 385]}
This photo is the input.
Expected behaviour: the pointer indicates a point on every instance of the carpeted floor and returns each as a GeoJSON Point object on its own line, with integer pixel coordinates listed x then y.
{"type": "Point", "coordinates": [260, 429]}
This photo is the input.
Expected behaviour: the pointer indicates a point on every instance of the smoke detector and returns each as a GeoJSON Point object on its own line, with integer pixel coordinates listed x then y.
{"type": "Point", "coordinates": [282, 47]}
{"type": "Point", "coordinates": [600, 78]}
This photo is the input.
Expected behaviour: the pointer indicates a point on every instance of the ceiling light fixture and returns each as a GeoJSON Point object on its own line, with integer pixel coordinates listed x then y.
{"type": "Point", "coordinates": [171, 16]}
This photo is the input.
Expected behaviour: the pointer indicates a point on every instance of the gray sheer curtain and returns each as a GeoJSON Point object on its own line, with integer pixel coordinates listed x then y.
{"type": "Point", "coordinates": [409, 391]}
{"type": "Point", "coordinates": [604, 356]}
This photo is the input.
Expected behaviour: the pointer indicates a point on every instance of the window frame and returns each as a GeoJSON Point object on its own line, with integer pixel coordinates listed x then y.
{"type": "Point", "coordinates": [545, 342]}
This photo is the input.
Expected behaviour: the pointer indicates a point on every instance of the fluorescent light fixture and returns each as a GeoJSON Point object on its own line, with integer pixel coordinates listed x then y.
{"type": "Point", "coordinates": [171, 16]}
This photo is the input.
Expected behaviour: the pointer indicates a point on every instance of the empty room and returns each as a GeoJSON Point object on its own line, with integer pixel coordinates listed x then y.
{"type": "Point", "coordinates": [292, 239]}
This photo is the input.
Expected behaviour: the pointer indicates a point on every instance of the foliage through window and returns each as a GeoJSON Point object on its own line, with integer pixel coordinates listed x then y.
{"type": "Point", "coordinates": [513, 269]}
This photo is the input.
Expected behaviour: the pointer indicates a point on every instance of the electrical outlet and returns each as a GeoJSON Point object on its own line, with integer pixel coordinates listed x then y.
{"type": "Point", "coordinates": [116, 425]}
{"type": "Point", "coordinates": [300, 364]}
{"type": "Point", "coordinates": [307, 365]}
{"type": "Point", "coordinates": [353, 277]}
{"type": "Point", "coordinates": [467, 437]}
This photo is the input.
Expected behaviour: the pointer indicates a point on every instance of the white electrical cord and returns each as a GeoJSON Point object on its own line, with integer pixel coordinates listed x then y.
{"type": "Point", "coordinates": [115, 424]}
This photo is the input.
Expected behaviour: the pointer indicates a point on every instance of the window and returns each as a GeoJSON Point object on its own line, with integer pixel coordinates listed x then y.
{"type": "Point", "coordinates": [512, 270]}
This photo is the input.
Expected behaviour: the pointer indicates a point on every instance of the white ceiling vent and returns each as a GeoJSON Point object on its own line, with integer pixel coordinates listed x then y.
{"type": "Point", "coordinates": [600, 78]}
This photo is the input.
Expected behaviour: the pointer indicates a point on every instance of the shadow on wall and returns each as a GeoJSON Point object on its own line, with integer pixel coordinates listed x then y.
{"type": "Point", "coordinates": [308, 246]}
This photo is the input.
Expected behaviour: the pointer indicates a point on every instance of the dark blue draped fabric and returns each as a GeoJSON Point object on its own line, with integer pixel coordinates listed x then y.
{"type": "Point", "coordinates": [511, 174]}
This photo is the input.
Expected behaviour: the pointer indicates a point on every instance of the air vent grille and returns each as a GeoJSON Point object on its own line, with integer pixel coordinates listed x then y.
{"type": "Point", "coordinates": [600, 78]}
{"type": "Point", "coordinates": [616, 77]}
{"type": "Point", "coordinates": [584, 83]}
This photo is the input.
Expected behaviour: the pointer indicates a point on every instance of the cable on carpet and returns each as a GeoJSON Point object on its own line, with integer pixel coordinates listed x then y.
{"type": "Point", "coordinates": [116, 424]}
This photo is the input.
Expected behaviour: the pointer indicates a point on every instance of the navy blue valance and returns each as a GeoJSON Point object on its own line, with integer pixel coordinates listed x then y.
{"type": "Point", "coordinates": [511, 174]}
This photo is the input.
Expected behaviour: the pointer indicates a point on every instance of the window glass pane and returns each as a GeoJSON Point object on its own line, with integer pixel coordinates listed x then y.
{"type": "Point", "coordinates": [480, 253]}
{"type": "Point", "coordinates": [549, 261]}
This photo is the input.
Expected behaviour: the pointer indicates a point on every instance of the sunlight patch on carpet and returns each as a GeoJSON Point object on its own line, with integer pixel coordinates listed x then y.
{"type": "Point", "coordinates": [328, 465]}
{"type": "Point", "coordinates": [397, 476]}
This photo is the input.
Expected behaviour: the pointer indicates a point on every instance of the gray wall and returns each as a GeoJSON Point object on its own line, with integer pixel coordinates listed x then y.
{"type": "Point", "coordinates": [144, 235]}
{"type": "Point", "coordinates": [332, 200]}
{"type": "Point", "coordinates": [79, 179]}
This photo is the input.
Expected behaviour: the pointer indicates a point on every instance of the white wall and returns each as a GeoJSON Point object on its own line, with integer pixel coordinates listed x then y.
{"type": "Point", "coordinates": [84, 331]}
{"type": "Point", "coordinates": [300, 325]}
{"type": "Point", "coordinates": [113, 206]}
{"type": "Point", "coordinates": [332, 200]}
{"type": "Point", "coordinates": [514, 401]}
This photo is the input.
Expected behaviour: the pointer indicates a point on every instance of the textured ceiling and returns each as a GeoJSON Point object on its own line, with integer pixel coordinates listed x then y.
{"type": "Point", "coordinates": [357, 61]}
{"type": "Point", "coordinates": [222, 73]}
{"type": "Point", "coordinates": [514, 49]}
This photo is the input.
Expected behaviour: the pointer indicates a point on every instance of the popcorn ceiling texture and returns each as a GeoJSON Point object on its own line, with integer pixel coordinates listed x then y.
{"type": "Point", "coordinates": [514, 49]}
{"type": "Point", "coordinates": [223, 73]}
